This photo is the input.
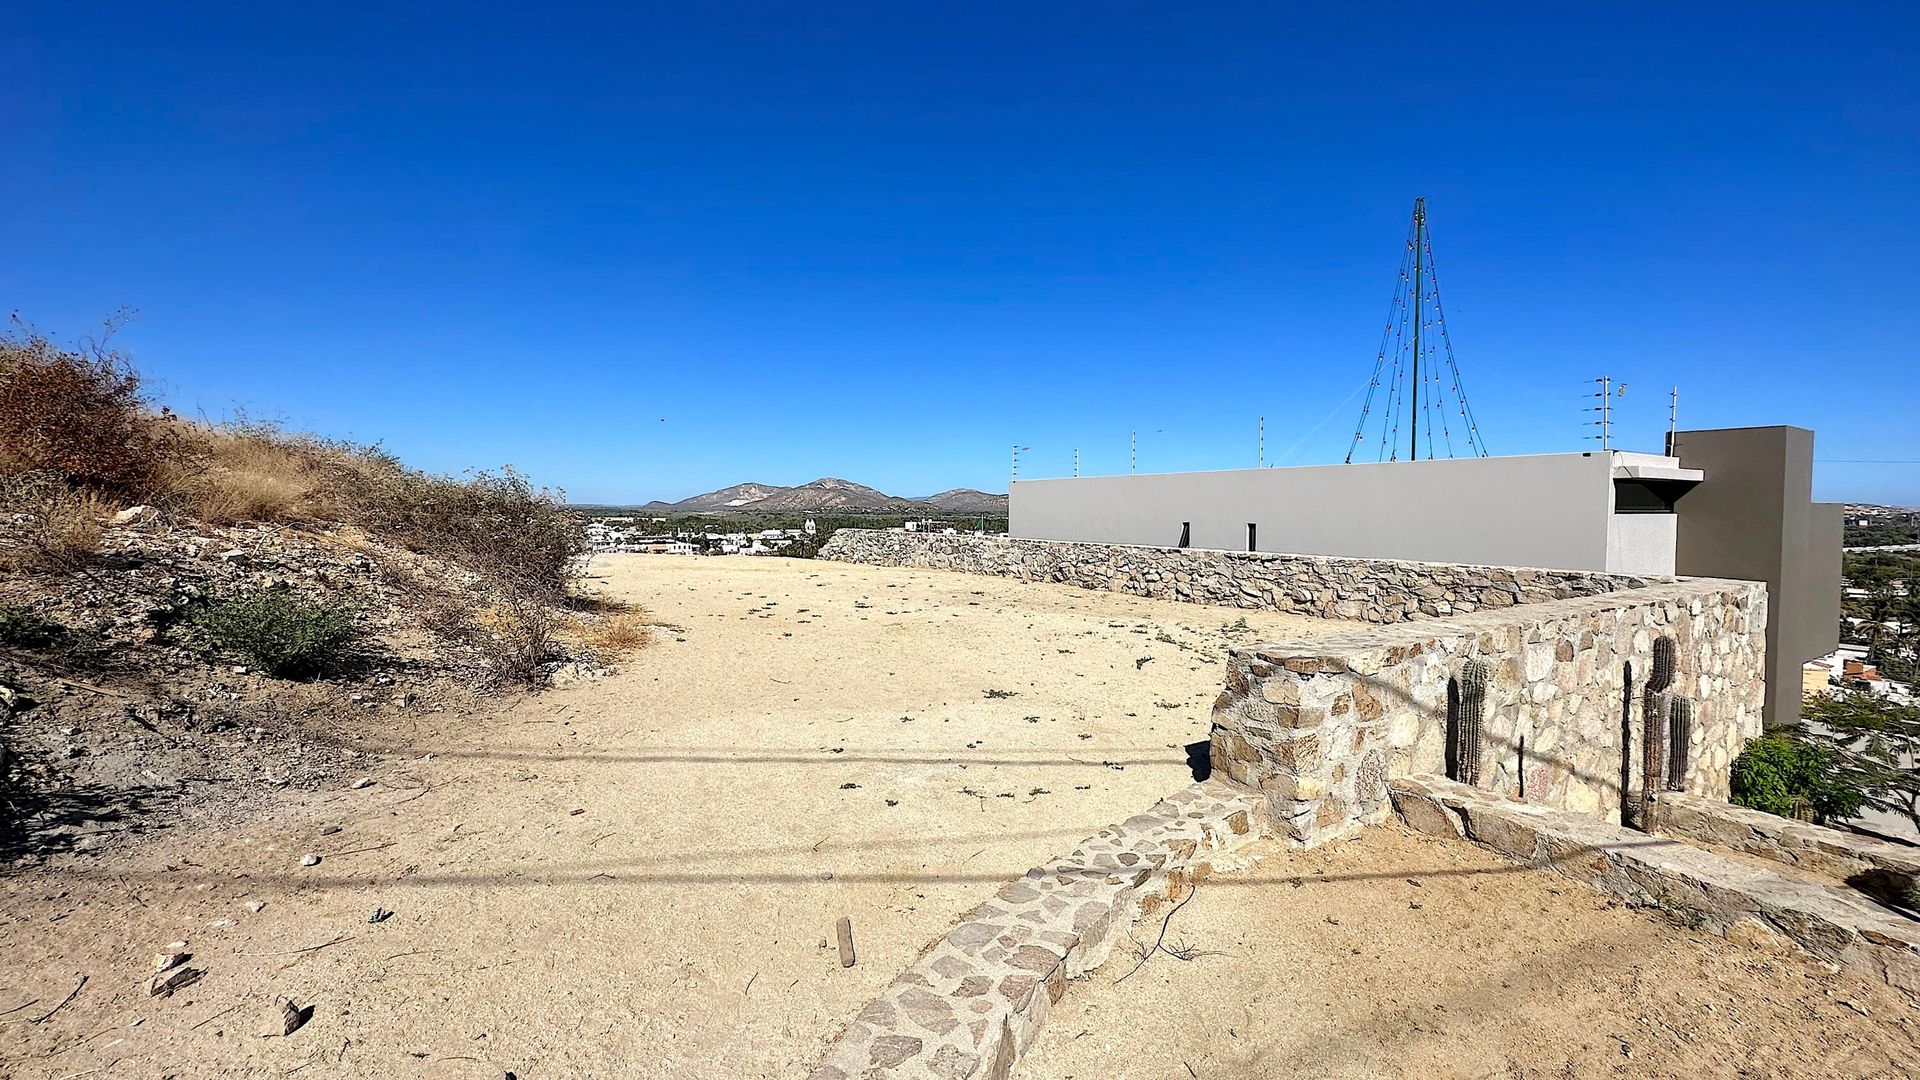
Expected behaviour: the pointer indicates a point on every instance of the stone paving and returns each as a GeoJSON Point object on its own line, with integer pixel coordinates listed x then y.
{"type": "Point", "coordinates": [974, 1001]}
{"type": "Point", "coordinates": [1701, 889]}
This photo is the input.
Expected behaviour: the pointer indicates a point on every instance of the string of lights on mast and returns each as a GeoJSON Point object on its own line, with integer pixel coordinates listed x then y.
{"type": "Point", "coordinates": [1415, 336]}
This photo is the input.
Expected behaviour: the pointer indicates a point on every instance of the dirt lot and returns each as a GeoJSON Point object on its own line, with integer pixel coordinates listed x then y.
{"type": "Point", "coordinates": [632, 875]}
{"type": "Point", "coordinates": [1401, 955]}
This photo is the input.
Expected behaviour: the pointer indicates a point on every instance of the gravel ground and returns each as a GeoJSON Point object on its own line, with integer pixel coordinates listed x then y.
{"type": "Point", "coordinates": [634, 874]}
{"type": "Point", "coordinates": [1396, 954]}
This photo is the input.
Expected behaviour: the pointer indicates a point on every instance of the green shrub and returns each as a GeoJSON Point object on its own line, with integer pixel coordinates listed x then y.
{"type": "Point", "coordinates": [285, 633]}
{"type": "Point", "coordinates": [23, 628]}
{"type": "Point", "coordinates": [1786, 774]}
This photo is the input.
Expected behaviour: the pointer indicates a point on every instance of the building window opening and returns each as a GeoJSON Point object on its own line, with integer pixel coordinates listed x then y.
{"type": "Point", "coordinates": [1252, 530]}
{"type": "Point", "coordinates": [1186, 533]}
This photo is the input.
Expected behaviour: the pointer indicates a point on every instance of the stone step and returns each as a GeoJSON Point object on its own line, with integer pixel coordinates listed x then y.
{"type": "Point", "coordinates": [1699, 888]}
{"type": "Point", "coordinates": [1887, 871]}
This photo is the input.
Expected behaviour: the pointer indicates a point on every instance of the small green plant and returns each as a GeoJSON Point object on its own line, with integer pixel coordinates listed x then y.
{"type": "Point", "coordinates": [24, 629]}
{"type": "Point", "coordinates": [1787, 774]}
{"type": "Point", "coordinates": [285, 633]}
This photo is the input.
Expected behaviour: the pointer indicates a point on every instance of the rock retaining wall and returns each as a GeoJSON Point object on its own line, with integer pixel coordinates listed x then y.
{"type": "Point", "coordinates": [972, 1003]}
{"type": "Point", "coordinates": [1370, 590]}
{"type": "Point", "coordinates": [1320, 726]}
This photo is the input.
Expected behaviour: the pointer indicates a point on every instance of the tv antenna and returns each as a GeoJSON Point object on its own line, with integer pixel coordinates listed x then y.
{"type": "Point", "coordinates": [1416, 335]}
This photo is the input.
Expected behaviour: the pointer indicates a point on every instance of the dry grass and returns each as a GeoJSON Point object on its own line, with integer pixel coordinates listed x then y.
{"type": "Point", "coordinates": [225, 476]}
{"type": "Point", "coordinates": [77, 415]}
{"type": "Point", "coordinates": [613, 635]}
{"type": "Point", "coordinates": [48, 527]}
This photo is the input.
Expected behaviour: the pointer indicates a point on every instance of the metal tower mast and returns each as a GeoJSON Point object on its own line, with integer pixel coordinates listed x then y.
{"type": "Point", "coordinates": [1419, 309]}
{"type": "Point", "coordinates": [1399, 373]}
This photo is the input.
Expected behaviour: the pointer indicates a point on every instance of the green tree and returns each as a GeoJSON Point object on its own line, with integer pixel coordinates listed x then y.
{"type": "Point", "coordinates": [1874, 745]}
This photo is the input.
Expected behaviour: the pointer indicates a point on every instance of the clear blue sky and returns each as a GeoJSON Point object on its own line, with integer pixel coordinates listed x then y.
{"type": "Point", "coordinates": [886, 242]}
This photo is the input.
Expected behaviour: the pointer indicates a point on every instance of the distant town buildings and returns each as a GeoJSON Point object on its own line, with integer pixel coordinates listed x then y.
{"type": "Point", "coordinates": [650, 536]}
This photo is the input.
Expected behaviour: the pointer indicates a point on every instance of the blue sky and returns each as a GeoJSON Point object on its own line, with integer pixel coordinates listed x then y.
{"type": "Point", "coordinates": [645, 251]}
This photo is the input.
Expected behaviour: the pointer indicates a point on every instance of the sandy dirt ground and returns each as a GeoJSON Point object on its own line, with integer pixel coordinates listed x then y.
{"type": "Point", "coordinates": [1397, 954]}
{"type": "Point", "coordinates": [634, 875]}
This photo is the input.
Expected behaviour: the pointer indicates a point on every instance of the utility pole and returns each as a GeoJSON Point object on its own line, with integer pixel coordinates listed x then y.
{"type": "Point", "coordinates": [1419, 257]}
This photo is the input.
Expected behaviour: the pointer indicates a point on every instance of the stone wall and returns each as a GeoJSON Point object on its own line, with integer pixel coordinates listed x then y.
{"type": "Point", "coordinates": [1321, 726]}
{"type": "Point", "coordinates": [1371, 590]}
{"type": "Point", "coordinates": [973, 1002]}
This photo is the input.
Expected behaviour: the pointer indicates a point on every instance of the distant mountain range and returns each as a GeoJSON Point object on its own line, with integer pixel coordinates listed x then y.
{"type": "Point", "coordinates": [830, 494]}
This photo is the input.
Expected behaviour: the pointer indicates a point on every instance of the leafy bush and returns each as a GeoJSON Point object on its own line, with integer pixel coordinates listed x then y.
{"type": "Point", "coordinates": [1787, 774]}
{"type": "Point", "coordinates": [1876, 743]}
{"type": "Point", "coordinates": [77, 414]}
{"type": "Point", "coordinates": [26, 629]}
{"type": "Point", "coordinates": [285, 633]}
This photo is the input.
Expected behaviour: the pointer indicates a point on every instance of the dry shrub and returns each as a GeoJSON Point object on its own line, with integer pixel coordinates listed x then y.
{"type": "Point", "coordinates": [47, 526]}
{"type": "Point", "coordinates": [613, 635]}
{"type": "Point", "coordinates": [496, 524]}
{"type": "Point", "coordinates": [518, 638]}
{"type": "Point", "coordinates": [76, 414]}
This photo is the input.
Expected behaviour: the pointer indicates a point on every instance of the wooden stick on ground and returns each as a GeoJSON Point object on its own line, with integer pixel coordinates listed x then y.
{"type": "Point", "coordinates": [844, 931]}
{"type": "Point", "coordinates": [75, 992]}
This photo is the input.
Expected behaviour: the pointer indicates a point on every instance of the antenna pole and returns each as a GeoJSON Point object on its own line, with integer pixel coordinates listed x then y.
{"type": "Point", "coordinates": [1419, 247]}
{"type": "Point", "coordinates": [1133, 451]}
{"type": "Point", "coordinates": [1263, 442]}
{"type": "Point", "coordinates": [1605, 409]}
{"type": "Point", "coordinates": [1673, 417]}
{"type": "Point", "coordinates": [1076, 461]}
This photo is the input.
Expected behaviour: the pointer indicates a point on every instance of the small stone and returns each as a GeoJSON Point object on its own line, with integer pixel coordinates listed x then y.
{"type": "Point", "coordinates": [291, 1018]}
{"type": "Point", "coordinates": [329, 830]}
{"type": "Point", "coordinates": [379, 915]}
{"type": "Point", "coordinates": [166, 984]}
{"type": "Point", "coordinates": [167, 961]}
{"type": "Point", "coordinates": [310, 860]}
{"type": "Point", "coordinates": [256, 906]}
{"type": "Point", "coordinates": [363, 782]}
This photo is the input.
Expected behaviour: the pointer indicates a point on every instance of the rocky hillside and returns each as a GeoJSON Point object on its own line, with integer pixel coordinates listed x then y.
{"type": "Point", "coordinates": [190, 614]}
